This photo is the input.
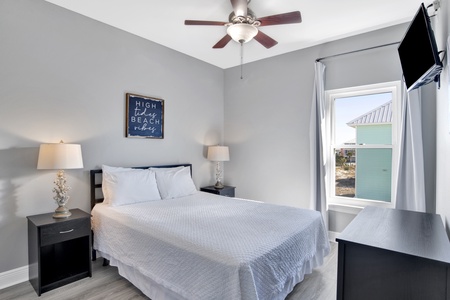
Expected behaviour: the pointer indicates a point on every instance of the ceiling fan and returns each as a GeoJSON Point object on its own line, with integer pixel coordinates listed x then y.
{"type": "Point", "coordinates": [242, 25]}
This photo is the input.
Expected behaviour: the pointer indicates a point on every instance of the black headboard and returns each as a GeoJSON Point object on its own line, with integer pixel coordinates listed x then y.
{"type": "Point", "coordinates": [96, 181]}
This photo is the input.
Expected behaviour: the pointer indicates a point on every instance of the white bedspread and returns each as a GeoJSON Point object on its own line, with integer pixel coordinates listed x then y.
{"type": "Point", "coordinates": [206, 246]}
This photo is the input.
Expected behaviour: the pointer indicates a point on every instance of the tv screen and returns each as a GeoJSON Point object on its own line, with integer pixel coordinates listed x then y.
{"type": "Point", "coordinates": [418, 52]}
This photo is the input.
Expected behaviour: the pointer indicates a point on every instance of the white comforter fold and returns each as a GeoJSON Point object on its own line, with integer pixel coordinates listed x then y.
{"type": "Point", "coordinates": [206, 246]}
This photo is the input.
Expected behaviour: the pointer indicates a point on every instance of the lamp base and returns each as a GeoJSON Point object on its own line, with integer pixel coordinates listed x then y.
{"type": "Point", "coordinates": [219, 185]}
{"type": "Point", "coordinates": [61, 213]}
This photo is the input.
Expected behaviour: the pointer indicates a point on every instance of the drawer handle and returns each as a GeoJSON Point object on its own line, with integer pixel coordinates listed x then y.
{"type": "Point", "coordinates": [67, 231]}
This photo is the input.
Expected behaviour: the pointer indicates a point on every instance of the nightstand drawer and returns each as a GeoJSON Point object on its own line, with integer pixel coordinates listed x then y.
{"type": "Point", "coordinates": [65, 231]}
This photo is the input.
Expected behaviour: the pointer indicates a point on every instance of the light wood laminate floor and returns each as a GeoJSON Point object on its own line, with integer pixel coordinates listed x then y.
{"type": "Point", "coordinates": [106, 283]}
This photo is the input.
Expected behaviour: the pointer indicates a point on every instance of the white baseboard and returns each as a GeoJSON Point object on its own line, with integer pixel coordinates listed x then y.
{"type": "Point", "coordinates": [332, 235]}
{"type": "Point", "coordinates": [13, 277]}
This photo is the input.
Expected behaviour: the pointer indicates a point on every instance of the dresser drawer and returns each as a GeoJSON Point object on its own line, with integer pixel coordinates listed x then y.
{"type": "Point", "coordinates": [65, 231]}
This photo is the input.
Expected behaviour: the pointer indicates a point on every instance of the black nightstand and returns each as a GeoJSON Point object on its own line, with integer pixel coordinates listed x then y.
{"type": "Point", "coordinates": [59, 250]}
{"type": "Point", "coordinates": [226, 191]}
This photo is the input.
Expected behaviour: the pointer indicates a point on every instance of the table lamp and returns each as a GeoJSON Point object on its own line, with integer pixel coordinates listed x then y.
{"type": "Point", "coordinates": [218, 154]}
{"type": "Point", "coordinates": [60, 156]}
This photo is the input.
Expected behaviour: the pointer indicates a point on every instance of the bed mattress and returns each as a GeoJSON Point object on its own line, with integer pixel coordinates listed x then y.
{"type": "Point", "coordinates": [206, 246]}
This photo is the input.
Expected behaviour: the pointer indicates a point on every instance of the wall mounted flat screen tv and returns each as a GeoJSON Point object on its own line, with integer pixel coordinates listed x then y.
{"type": "Point", "coordinates": [418, 52]}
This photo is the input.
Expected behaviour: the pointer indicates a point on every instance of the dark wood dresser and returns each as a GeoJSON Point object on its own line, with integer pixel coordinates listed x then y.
{"type": "Point", "coordinates": [393, 254]}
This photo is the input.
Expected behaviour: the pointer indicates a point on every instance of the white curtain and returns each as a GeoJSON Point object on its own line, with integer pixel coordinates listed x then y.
{"type": "Point", "coordinates": [410, 194]}
{"type": "Point", "coordinates": [318, 144]}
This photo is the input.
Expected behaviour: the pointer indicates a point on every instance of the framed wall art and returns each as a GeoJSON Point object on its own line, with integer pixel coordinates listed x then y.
{"type": "Point", "coordinates": [145, 117]}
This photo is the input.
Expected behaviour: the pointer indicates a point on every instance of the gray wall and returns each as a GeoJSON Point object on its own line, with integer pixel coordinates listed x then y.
{"type": "Point", "coordinates": [267, 128]}
{"type": "Point", "coordinates": [267, 116]}
{"type": "Point", "coordinates": [64, 76]}
{"type": "Point", "coordinates": [443, 122]}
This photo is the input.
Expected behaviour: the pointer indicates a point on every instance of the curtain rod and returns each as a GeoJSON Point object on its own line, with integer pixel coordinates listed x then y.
{"type": "Point", "coordinates": [355, 51]}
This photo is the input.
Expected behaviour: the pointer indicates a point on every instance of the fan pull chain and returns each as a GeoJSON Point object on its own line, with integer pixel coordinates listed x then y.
{"type": "Point", "coordinates": [242, 58]}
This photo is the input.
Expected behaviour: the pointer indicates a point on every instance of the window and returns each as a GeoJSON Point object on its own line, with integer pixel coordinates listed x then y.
{"type": "Point", "coordinates": [363, 144]}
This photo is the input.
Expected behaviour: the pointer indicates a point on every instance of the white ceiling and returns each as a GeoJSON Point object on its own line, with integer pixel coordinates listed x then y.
{"type": "Point", "coordinates": [323, 20]}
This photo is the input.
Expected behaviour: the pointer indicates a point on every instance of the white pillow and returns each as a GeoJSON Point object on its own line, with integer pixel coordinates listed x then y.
{"type": "Point", "coordinates": [127, 186]}
{"type": "Point", "coordinates": [107, 177]}
{"type": "Point", "coordinates": [174, 182]}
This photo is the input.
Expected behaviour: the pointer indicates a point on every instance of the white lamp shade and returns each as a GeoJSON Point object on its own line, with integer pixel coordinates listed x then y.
{"type": "Point", "coordinates": [242, 33]}
{"type": "Point", "coordinates": [60, 156]}
{"type": "Point", "coordinates": [218, 153]}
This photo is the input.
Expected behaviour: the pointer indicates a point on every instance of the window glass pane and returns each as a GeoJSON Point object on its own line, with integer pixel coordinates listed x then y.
{"type": "Point", "coordinates": [345, 176]}
{"type": "Point", "coordinates": [363, 173]}
{"type": "Point", "coordinates": [380, 134]}
{"type": "Point", "coordinates": [373, 174]}
{"type": "Point", "coordinates": [352, 112]}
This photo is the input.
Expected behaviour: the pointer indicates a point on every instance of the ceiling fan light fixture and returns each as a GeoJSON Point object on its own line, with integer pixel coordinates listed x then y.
{"type": "Point", "coordinates": [241, 32]}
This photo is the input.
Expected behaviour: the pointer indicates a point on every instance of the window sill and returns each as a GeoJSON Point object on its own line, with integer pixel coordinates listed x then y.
{"type": "Point", "coordinates": [348, 209]}
{"type": "Point", "coordinates": [355, 206]}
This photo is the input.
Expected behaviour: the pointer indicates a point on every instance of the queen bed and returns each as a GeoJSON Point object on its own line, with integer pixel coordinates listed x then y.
{"type": "Point", "coordinates": [174, 242]}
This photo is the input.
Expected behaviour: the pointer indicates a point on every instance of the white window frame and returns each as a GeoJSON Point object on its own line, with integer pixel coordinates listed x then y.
{"type": "Point", "coordinates": [393, 87]}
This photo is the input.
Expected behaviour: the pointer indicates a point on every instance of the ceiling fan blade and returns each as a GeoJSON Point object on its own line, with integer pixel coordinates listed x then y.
{"type": "Point", "coordinates": [223, 42]}
{"type": "Point", "coordinates": [198, 22]}
{"type": "Point", "coordinates": [239, 7]}
{"type": "Point", "coordinates": [265, 40]}
{"type": "Point", "coordinates": [286, 18]}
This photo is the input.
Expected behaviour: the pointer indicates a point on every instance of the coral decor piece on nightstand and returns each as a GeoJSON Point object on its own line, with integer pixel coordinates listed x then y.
{"type": "Point", "coordinates": [61, 190]}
